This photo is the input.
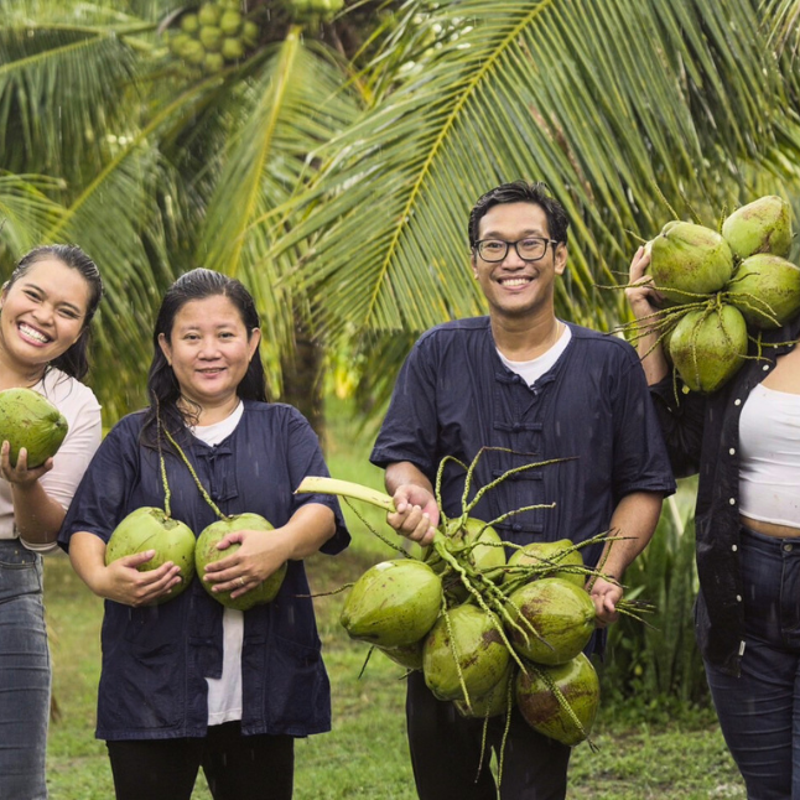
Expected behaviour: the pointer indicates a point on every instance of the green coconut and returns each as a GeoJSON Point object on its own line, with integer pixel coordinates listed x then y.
{"type": "Point", "coordinates": [707, 347]}
{"type": "Point", "coordinates": [207, 552]}
{"type": "Point", "coordinates": [766, 289]}
{"type": "Point", "coordinates": [561, 615]}
{"type": "Point", "coordinates": [688, 261]}
{"type": "Point", "coordinates": [408, 656]}
{"type": "Point", "coordinates": [569, 721]}
{"type": "Point", "coordinates": [149, 528]}
{"type": "Point", "coordinates": [393, 604]}
{"type": "Point", "coordinates": [763, 226]}
{"type": "Point", "coordinates": [547, 560]}
{"type": "Point", "coordinates": [463, 640]}
{"type": "Point", "coordinates": [31, 421]}
{"type": "Point", "coordinates": [494, 702]}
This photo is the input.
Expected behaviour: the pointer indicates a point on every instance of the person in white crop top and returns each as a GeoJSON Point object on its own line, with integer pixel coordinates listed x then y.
{"type": "Point", "coordinates": [46, 307]}
{"type": "Point", "coordinates": [744, 442]}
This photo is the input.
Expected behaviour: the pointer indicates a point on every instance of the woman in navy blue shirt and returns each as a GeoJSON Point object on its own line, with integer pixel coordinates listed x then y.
{"type": "Point", "coordinates": [188, 683]}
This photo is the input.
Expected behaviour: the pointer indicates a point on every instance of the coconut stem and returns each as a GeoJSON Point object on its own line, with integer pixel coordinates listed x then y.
{"type": "Point", "coordinates": [313, 484]}
{"type": "Point", "coordinates": [200, 486]}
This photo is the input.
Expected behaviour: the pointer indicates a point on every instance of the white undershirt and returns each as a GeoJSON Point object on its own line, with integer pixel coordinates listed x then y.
{"type": "Point", "coordinates": [531, 371]}
{"type": "Point", "coordinates": [769, 443]}
{"type": "Point", "coordinates": [225, 692]}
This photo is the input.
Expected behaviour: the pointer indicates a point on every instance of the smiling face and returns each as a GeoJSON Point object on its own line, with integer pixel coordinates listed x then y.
{"type": "Point", "coordinates": [515, 288]}
{"type": "Point", "coordinates": [209, 350]}
{"type": "Point", "coordinates": [43, 314]}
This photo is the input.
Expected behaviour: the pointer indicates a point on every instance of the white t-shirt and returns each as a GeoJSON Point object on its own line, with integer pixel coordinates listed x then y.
{"type": "Point", "coordinates": [225, 692]}
{"type": "Point", "coordinates": [82, 411]}
{"type": "Point", "coordinates": [531, 371]}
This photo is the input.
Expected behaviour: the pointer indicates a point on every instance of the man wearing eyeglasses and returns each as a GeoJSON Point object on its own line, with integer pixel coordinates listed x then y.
{"type": "Point", "coordinates": [535, 388]}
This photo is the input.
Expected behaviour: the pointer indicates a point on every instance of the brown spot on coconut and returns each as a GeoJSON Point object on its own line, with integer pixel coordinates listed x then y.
{"type": "Point", "coordinates": [763, 226]}
{"type": "Point", "coordinates": [570, 721]}
{"type": "Point", "coordinates": [560, 616]}
{"type": "Point", "coordinates": [463, 644]}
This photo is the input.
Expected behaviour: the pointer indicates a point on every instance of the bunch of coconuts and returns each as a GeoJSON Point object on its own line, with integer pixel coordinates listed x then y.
{"type": "Point", "coordinates": [487, 632]}
{"type": "Point", "coordinates": [720, 288]}
{"type": "Point", "coordinates": [152, 528]}
{"type": "Point", "coordinates": [212, 35]}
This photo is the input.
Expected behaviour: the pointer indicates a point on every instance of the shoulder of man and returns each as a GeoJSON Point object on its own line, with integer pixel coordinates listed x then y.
{"type": "Point", "coordinates": [447, 331]}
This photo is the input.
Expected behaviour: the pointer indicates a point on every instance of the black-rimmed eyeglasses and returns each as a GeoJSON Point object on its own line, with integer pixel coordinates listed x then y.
{"type": "Point", "coordinates": [531, 248]}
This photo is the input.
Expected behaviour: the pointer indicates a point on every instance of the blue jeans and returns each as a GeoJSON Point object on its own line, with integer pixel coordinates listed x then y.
{"type": "Point", "coordinates": [24, 675]}
{"type": "Point", "coordinates": [759, 711]}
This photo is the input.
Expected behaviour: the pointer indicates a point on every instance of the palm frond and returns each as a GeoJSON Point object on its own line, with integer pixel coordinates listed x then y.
{"type": "Point", "coordinates": [626, 110]}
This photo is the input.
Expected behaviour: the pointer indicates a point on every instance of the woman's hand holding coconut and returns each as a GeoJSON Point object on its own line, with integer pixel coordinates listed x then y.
{"type": "Point", "coordinates": [259, 557]}
{"type": "Point", "coordinates": [19, 474]}
{"type": "Point", "coordinates": [125, 580]}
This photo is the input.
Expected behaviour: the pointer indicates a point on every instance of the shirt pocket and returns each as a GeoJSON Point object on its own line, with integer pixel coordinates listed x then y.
{"type": "Point", "coordinates": [298, 691]}
{"type": "Point", "coordinates": [142, 682]}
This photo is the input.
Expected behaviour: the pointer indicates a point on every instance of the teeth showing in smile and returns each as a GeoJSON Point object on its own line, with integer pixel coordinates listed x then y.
{"type": "Point", "coordinates": [32, 333]}
{"type": "Point", "coordinates": [515, 281]}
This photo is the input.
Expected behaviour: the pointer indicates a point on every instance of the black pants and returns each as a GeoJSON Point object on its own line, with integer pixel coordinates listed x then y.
{"type": "Point", "coordinates": [446, 749]}
{"type": "Point", "coordinates": [236, 767]}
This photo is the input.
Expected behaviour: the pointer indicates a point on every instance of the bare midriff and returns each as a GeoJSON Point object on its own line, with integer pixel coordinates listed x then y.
{"type": "Point", "coordinates": [770, 528]}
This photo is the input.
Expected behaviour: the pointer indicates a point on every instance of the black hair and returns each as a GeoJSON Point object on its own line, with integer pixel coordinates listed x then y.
{"type": "Point", "coordinates": [521, 192]}
{"type": "Point", "coordinates": [162, 385]}
{"type": "Point", "coordinates": [74, 361]}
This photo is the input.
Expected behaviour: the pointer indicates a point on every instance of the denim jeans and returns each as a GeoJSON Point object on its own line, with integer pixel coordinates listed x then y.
{"type": "Point", "coordinates": [759, 711]}
{"type": "Point", "coordinates": [24, 675]}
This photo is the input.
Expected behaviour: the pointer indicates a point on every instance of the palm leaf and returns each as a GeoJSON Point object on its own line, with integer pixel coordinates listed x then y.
{"type": "Point", "coordinates": [627, 110]}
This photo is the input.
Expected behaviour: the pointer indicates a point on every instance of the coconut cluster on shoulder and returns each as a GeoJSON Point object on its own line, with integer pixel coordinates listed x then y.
{"type": "Point", "coordinates": [719, 289]}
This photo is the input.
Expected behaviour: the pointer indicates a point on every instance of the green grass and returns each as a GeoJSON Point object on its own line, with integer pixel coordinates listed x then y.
{"type": "Point", "coordinates": [638, 755]}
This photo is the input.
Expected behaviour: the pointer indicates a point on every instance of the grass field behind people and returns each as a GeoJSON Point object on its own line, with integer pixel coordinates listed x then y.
{"type": "Point", "coordinates": [641, 751]}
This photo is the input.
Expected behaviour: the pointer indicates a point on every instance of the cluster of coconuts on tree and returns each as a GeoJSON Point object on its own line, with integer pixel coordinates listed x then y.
{"type": "Point", "coordinates": [212, 35]}
{"type": "Point", "coordinates": [312, 10]}
{"type": "Point", "coordinates": [488, 632]}
{"type": "Point", "coordinates": [152, 528]}
{"type": "Point", "coordinates": [719, 289]}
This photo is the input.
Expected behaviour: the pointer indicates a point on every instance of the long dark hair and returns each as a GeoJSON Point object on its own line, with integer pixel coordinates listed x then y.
{"type": "Point", "coordinates": [74, 361]}
{"type": "Point", "coordinates": [521, 192]}
{"type": "Point", "coordinates": [162, 385]}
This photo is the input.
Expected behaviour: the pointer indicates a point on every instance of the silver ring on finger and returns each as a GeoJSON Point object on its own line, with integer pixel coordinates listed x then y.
{"type": "Point", "coordinates": [241, 580]}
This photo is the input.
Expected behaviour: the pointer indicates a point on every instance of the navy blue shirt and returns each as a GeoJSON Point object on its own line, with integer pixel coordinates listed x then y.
{"type": "Point", "coordinates": [454, 396]}
{"type": "Point", "coordinates": [156, 659]}
{"type": "Point", "coordinates": [702, 435]}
